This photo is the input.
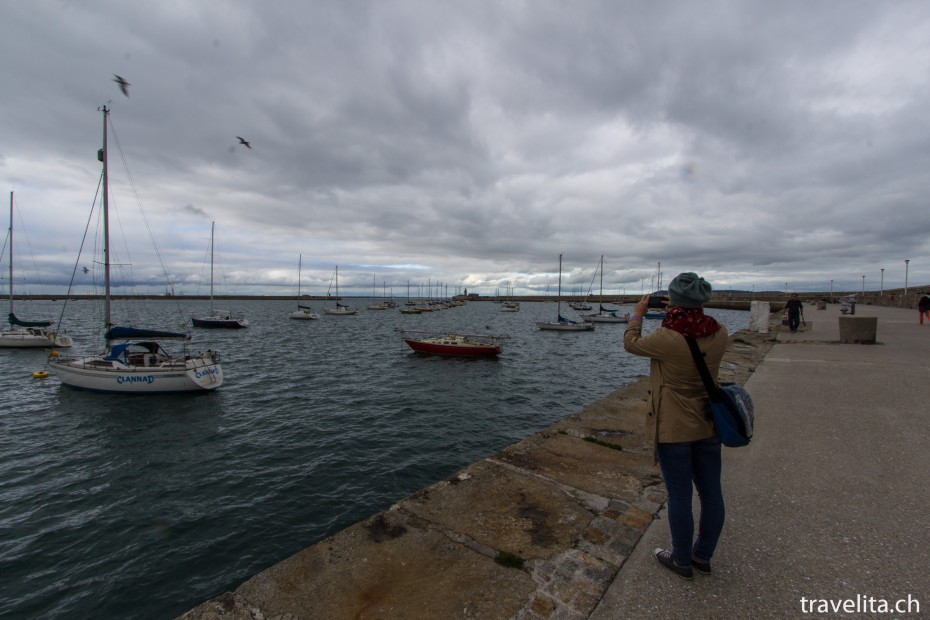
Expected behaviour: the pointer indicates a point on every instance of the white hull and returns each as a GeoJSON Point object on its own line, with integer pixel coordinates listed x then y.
{"type": "Point", "coordinates": [606, 318]}
{"type": "Point", "coordinates": [303, 315]}
{"type": "Point", "coordinates": [341, 312]}
{"type": "Point", "coordinates": [33, 339]}
{"type": "Point", "coordinates": [566, 327]}
{"type": "Point", "coordinates": [94, 373]}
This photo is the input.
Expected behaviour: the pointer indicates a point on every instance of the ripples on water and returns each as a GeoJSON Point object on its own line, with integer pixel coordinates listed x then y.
{"type": "Point", "coordinates": [143, 507]}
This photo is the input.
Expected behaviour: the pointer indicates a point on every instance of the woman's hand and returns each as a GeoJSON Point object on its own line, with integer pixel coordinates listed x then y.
{"type": "Point", "coordinates": [642, 307]}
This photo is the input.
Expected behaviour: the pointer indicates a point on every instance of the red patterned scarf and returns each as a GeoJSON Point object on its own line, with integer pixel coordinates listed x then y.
{"type": "Point", "coordinates": [690, 322]}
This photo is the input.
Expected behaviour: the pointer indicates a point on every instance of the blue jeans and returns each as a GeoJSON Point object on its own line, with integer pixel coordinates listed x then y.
{"type": "Point", "coordinates": [682, 464]}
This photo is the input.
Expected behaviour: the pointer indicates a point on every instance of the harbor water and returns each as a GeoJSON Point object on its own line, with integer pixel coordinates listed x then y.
{"type": "Point", "coordinates": [145, 506]}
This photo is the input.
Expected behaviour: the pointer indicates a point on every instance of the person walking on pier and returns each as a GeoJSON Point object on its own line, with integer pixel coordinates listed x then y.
{"type": "Point", "coordinates": [795, 312]}
{"type": "Point", "coordinates": [686, 443]}
{"type": "Point", "coordinates": [923, 306]}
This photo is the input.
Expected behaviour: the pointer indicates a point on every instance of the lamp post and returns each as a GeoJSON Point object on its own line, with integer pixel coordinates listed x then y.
{"type": "Point", "coordinates": [863, 285]}
{"type": "Point", "coordinates": [881, 287]}
{"type": "Point", "coordinates": [906, 263]}
{"type": "Point", "coordinates": [831, 291]}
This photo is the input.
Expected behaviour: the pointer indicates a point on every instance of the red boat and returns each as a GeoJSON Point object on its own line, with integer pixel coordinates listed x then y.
{"type": "Point", "coordinates": [444, 343]}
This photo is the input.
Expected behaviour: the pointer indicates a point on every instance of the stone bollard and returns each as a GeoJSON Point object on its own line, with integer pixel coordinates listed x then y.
{"type": "Point", "coordinates": [759, 312]}
{"type": "Point", "coordinates": [858, 329]}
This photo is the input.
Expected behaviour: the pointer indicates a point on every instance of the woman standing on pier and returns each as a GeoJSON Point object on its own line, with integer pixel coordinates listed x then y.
{"type": "Point", "coordinates": [687, 446]}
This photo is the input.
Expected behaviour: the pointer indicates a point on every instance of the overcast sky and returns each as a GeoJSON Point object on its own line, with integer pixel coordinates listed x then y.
{"type": "Point", "coordinates": [763, 144]}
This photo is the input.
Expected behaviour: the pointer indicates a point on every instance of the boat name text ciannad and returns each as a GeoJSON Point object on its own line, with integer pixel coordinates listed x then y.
{"type": "Point", "coordinates": [145, 379]}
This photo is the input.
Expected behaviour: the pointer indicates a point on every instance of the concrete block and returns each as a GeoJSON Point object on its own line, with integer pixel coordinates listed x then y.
{"type": "Point", "coordinates": [858, 329]}
{"type": "Point", "coordinates": [759, 312]}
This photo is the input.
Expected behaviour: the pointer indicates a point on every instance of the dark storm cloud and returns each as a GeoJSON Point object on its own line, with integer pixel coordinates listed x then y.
{"type": "Point", "coordinates": [477, 141]}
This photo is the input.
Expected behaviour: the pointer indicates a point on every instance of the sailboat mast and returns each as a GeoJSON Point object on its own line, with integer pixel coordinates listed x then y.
{"type": "Point", "coordinates": [102, 156]}
{"type": "Point", "coordinates": [11, 254]}
{"type": "Point", "coordinates": [212, 226]}
{"type": "Point", "coordinates": [559, 303]}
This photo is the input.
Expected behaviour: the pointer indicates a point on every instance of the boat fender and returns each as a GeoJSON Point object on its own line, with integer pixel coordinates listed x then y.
{"type": "Point", "coordinates": [40, 374]}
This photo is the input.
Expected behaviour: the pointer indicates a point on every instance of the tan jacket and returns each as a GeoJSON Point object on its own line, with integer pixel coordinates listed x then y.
{"type": "Point", "coordinates": [677, 403]}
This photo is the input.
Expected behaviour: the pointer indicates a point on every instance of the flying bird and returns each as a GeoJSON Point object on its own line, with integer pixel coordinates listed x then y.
{"type": "Point", "coordinates": [123, 84]}
{"type": "Point", "coordinates": [86, 270]}
{"type": "Point", "coordinates": [245, 142]}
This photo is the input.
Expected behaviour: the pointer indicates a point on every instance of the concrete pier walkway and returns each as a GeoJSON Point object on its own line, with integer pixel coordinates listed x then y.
{"type": "Point", "coordinates": [828, 504]}
{"type": "Point", "coordinates": [831, 500]}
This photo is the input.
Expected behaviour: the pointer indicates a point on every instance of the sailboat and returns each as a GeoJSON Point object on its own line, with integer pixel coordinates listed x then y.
{"type": "Point", "coordinates": [302, 312]}
{"type": "Point", "coordinates": [384, 305]}
{"type": "Point", "coordinates": [27, 334]}
{"type": "Point", "coordinates": [341, 309]}
{"type": "Point", "coordinates": [657, 313]}
{"type": "Point", "coordinates": [510, 305]}
{"type": "Point", "coordinates": [561, 323]}
{"type": "Point", "coordinates": [603, 315]}
{"type": "Point", "coordinates": [133, 361]}
{"type": "Point", "coordinates": [218, 319]}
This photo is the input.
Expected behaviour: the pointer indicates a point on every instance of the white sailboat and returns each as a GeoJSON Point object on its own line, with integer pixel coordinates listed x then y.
{"type": "Point", "coordinates": [510, 305]}
{"type": "Point", "coordinates": [385, 304]}
{"type": "Point", "coordinates": [303, 313]}
{"type": "Point", "coordinates": [561, 323]}
{"type": "Point", "coordinates": [604, 315]}
{"type": "Point", "coordinates": [218, 319]}
{"type": "Point", "coordinates": [133, 361]}
{"type": "Point", "coordinates": [340, 309]}
{"type": "Point", "coordinates": [27, 334]}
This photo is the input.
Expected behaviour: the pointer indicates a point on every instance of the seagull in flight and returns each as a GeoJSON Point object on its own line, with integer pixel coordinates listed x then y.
{"type": "Point", "coordinates": [123, 84]}
{"type": "Point", "coordinates": [86, 270]}
{"type": "Point", "coordinates": [245, 142]}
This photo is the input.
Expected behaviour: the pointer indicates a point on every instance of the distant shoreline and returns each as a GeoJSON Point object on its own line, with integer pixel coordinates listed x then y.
{"type": "Point", "coordinates": [721, 299]}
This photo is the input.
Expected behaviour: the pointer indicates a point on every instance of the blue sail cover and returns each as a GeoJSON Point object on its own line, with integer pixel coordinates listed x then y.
{"type": "Point", "coordinates": [15, 321]}
{"type": "Point", "coordinates": [132, 333]}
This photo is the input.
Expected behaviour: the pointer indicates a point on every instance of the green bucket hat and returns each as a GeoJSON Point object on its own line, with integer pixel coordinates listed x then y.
{"type": "Point", "coordinates": [688, 290]}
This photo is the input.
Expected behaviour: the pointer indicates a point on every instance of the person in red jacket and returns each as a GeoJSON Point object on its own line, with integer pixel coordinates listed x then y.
{"type": "Point", "coordinates": [923, 306]}
{"type": "Point", "coordinates": [686, 444]}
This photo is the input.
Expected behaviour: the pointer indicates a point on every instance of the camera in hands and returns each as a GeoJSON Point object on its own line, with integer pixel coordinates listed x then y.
{"type": "Point", "coordinates": [658, 301]}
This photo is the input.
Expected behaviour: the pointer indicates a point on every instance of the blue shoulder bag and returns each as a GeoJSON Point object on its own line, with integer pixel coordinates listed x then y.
{"type": "Point", "coordinates": [730, 405]}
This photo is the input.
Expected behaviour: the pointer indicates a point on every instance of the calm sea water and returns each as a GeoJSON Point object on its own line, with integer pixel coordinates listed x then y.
{"type": "Point", "coordinates": [143, 507]}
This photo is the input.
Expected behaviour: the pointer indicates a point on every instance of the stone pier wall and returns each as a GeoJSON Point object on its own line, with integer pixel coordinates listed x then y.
{"type": "Point", "coordinates": [538, 530]}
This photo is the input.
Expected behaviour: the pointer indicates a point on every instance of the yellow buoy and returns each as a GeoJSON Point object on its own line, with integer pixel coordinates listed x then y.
{"type": "Point", "coordinates": [40, 374]}
{"type": "Point", "coordinates": [54, 354]}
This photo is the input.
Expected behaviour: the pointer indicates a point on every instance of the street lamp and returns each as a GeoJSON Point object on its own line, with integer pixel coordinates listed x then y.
{"type": "Point", "coordinates": [863, 285]}
{"type": "Point", "coordinates": [881, 288]}
{"type": "Point", "coordinates": [831, 291]}
{"type": "Point", "coordinates": [906, 263]}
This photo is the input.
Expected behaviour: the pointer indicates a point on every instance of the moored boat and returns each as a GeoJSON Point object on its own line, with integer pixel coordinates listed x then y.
{"type": "Point", "coordinates": [451, 343]}
{"type": "Point", "coordinates": [218, 319]}
{"type": "Point", "coordinates": [27, 334]}
{"type": "Point", "coordinates": [132, 360]}
{"type": "Point", "coordinates": [605, 315]}
{"type": "Point", "coordinates": [563, 324]}
{"type": "Point", "coordinates": [302, 313]}
{"type": "Point", "coordinates": [341, 309]}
